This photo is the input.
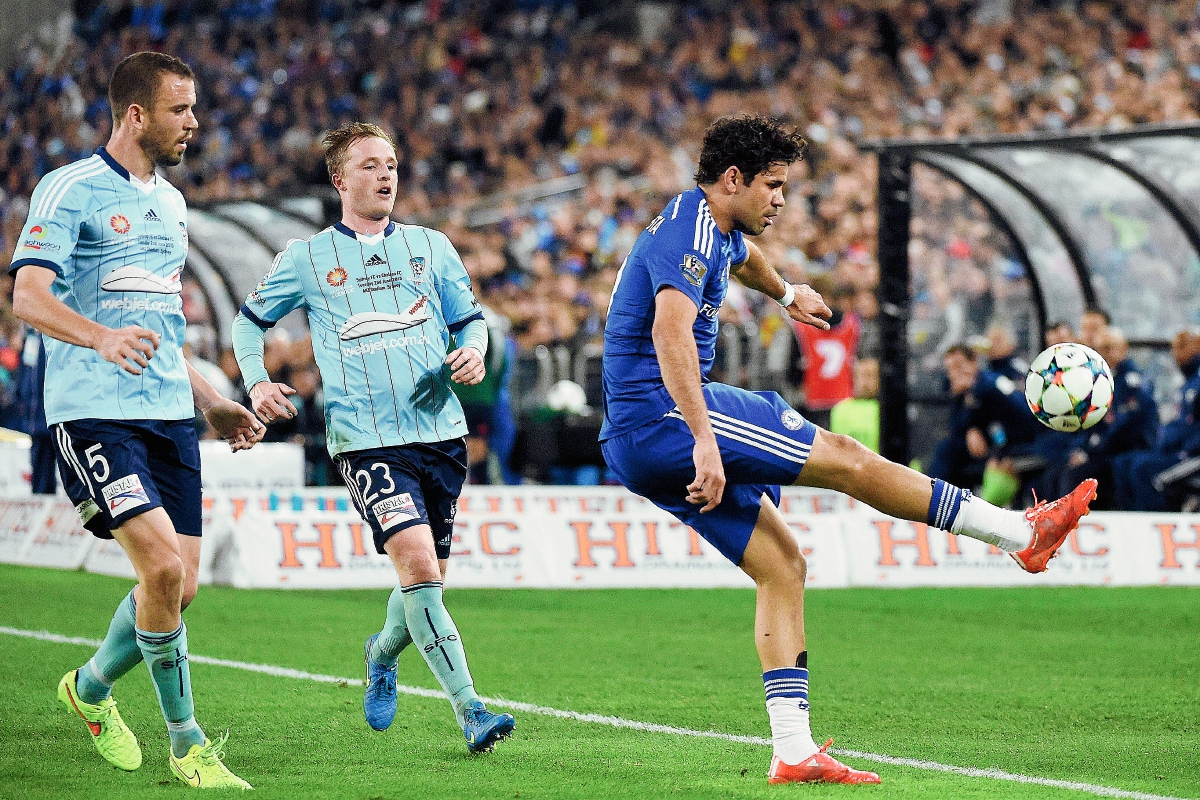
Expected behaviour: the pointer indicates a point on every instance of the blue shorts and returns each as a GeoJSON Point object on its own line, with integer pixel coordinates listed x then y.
{"type": "Point", "coordinates": [115, 469]}
{"type": "Point", "coordinates": [398, 487]}
{"type": "Point", "coordinates": [764, 443]}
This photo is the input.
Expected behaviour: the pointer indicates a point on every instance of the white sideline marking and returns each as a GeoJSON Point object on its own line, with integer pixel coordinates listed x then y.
{"type": "Point", "coordinates": [618, 722]}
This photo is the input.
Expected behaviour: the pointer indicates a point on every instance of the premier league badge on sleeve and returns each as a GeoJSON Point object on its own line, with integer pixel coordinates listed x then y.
{"type": "Point", "coordinates": [693, 269]}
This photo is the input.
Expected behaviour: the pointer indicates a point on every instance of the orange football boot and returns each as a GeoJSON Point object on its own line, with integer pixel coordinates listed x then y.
{"type": "Point", "coordinates": [818, 768]}
{"type": "Point", "coordinates": [1051, 523]}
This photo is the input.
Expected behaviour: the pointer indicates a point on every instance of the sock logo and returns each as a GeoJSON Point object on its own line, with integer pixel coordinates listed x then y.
{"type": "Point", "coordinates": [438, 642]}
{"type": "Point", "coordinates": [174, 663]}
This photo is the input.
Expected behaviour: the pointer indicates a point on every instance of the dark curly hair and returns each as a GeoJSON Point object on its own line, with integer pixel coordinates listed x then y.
{"type": "Point", "coordinates": [749, 142]}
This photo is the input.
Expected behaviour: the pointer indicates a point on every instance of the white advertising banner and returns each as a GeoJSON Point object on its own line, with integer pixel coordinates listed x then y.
{"type": "Point", "coordinates": [604, 537]}
{"type": "Point", "coordinates": [267, 466]}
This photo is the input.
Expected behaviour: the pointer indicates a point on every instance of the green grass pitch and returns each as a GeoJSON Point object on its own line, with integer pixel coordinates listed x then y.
{"type": "Point", "coordinates": [1098, 686]}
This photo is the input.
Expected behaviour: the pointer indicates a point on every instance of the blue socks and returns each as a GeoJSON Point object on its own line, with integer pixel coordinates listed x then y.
{"type": "Point", "coordinates": [118, 653]}
{"type": "Point", "coordinates": [166, 658]}
{"type": "Point", "coordinates": [945, 503]}
{"type": "Point", "coordinates": [394, 637]}
{"type": "Point", "coordinates": [433, 630]}
{"type": "Point", "coordinates": [790, 683]}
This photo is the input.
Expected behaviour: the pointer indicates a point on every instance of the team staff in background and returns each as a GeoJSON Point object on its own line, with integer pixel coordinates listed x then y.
{"type": "Point", "coordinates": [383, 301]}
{"type": "Point", "coordinates": [715, 455]}
{"type": "Point", "coordinates": [97, 271]}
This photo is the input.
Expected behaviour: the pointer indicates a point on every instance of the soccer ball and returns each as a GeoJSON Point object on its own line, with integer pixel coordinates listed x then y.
{"type": "Point", "coordinates": [1069, 387]}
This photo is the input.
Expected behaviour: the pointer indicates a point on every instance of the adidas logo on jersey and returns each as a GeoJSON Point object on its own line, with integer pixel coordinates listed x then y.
{"type": "Point", "coordinates": [151, 216]}
{"type": "Point", "coordinates": [374, 261]}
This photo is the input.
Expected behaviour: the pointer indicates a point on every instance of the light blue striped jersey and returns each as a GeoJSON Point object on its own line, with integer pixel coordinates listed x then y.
{"type": "Point", "coordinates": [117, 246]}
{"type": "Point", "coordinates": [381, 310]}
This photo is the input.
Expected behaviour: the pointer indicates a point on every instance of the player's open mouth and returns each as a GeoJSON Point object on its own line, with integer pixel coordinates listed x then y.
{"type": "Point", "coordinates": [386, 191]}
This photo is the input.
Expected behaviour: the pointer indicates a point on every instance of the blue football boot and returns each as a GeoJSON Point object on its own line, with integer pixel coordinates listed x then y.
{"type": "Point", "coordinates": [483, 729]}
{"type": "Point", "coordinates": [379, 701]}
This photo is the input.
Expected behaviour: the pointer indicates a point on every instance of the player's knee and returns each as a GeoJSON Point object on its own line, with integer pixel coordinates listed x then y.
{"type": "Point", "coordinates": [189, 593]}
{"type": "Point", "coordinates": [798, 568]}
{"type": "Point", "coordinates": [166, 577]}
{"type": "Point", "coordinates": [851, 460]}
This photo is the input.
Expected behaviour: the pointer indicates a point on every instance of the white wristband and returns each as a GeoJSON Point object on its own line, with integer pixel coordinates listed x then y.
{"type": "Point", "coordinates": [789, 295]}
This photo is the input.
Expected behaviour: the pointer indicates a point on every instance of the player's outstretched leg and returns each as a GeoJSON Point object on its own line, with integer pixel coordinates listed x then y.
{"type": "Point", "coordinates": [380, 653]}
{"type": "Point", "coordinates": [433, 630]}
{"type": "Point", "coordinates": [87, 691]}
{"type": "Point", "coordinates": [773, 559]}
{"type": "Point", "coordinates": [1032, 537]}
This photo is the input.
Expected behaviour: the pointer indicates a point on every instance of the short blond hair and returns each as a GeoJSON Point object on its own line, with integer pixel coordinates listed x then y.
{"type": "Point", "coordinates": [337, 143]}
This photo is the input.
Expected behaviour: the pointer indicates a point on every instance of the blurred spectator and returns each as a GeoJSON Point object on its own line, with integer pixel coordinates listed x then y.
{"type": "Point", "coordinates": [30, 415]}
{"type": "Point", "coordinates": [1093, 327]}
{"type": "Point", "coordinates": [1130, 424]}
{"type": "Point", "coordinates": [1058, 333]}
{"type": "Point", "coordinates": [858, 416]}
{"type": "Point", "coordinates": [990, 421]}
{"type": "Point", "coordinates": [1179, 439]}
{"type": "Point", "coordinates": [307, 428]}
{"type": "Point", "coordinates": [827, 357]}
{"type": "Point", "coordinates": [487, 406]}
{"type": "Point", "coordinates": [1002, 355]}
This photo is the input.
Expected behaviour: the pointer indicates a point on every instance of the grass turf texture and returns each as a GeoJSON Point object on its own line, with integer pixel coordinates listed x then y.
{"type": "Point", "coordinates": [1090, 685]}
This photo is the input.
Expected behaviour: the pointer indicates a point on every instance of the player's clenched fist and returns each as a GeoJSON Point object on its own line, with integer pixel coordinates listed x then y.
{"type": "Point", "coordinates": [270, 401]}
{"type": "Point", "coordinates": [467, 366]}
{"type": "Point", "coordinates": [124, 345]}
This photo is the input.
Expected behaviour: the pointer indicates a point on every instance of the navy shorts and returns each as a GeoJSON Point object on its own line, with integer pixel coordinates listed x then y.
{"type": "Point", "coordinates": [115, 469]}
{"type": "Point", "coordinates": [398, 487]}
{"type": "Point", "coordinates": [764, 443]}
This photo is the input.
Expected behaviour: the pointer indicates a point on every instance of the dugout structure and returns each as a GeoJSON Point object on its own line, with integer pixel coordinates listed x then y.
{"type": "Point", "coordinates": [1110, 219]}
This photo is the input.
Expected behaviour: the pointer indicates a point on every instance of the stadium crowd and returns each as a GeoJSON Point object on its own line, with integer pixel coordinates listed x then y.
{"type": "Point", "coordinates": [489, 98]}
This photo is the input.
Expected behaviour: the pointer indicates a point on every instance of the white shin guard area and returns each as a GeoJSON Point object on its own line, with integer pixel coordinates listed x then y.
{"type": "Point", "coordinates": [618, 722]}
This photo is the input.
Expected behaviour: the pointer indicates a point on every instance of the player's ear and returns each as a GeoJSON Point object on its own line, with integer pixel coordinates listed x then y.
{"type": "Point", "coordinates": [731, 178]}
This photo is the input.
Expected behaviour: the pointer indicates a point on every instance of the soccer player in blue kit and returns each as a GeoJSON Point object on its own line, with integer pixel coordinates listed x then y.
{"type": "Point", "coordinates": [715, 455]}
{"type": "Point", "coordinates": [97, 271]}
{"type": "Point", "coordinates": [383, 301]}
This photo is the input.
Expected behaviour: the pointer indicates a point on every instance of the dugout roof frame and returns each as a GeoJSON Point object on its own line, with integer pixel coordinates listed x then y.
{"type": "Point", "coordinates": [1046, 193]}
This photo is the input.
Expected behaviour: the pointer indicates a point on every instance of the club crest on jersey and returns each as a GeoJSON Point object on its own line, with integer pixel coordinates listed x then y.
{"type": "Point", "coordinates": [792, 420]}
{"type": "Point", "coordinates": [693, 269]}
{"type": "Point", "coordinates": [336, 277]}
{"type": "Point", "coordinates": [418, 267]}
{"type": "Point", "coordinates": [396, 509]}
{"type": "Point", "coordinates": [124, 494]}
{"type": "Point", "coordinates": [119, 223]}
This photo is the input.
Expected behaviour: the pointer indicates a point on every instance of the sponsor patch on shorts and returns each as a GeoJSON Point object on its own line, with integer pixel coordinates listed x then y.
{"type": "Point", "coordinates": [124, 494]}
{"type": "Point", "coordinates": [395, 509]}
{"type": "Point", "coordinates": [86, 510]}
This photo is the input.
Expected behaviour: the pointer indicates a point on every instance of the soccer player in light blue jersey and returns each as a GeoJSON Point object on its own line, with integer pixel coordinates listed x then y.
{"type": "Point", "coordinates": [97, 271]}
{"type": "Point", "coordinates": [383, 301]}
{"type": "Point", "coordinates": [716, 455]}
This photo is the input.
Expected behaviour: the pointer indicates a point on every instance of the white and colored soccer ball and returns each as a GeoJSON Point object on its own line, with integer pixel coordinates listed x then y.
{"type": "Point", "coordinates": [1069, 387]}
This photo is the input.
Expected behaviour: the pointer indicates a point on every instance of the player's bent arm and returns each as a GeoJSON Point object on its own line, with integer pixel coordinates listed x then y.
{"type": "Point", "coordinates": [805, 304]}
{"type": "Point", "coordinates": [466, 363]}
{"type": "Point", "coordinates": [269, 399]}
{"type": "Point", "coordinates": [36, 304]}
{"type": "Point", "coordinates": [679, 363]}
{"type": "Point", "coordinates": [234, 424]}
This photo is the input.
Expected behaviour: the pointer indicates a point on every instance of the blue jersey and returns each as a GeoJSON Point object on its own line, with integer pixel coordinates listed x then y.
{"type": "Point", "coordinates": [117, 246]}
{"type": "Point", "coordinates": [381, 310]}
{"type": "Point", "coordinates": [682, 248]}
